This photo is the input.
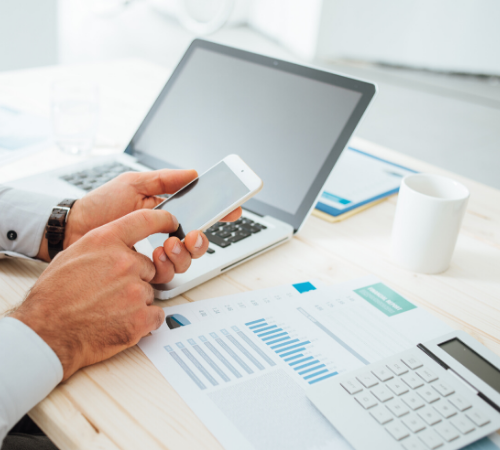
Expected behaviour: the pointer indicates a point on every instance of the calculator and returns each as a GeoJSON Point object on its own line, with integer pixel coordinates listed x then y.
{"type": "Point", "coordinates": [443, 394]}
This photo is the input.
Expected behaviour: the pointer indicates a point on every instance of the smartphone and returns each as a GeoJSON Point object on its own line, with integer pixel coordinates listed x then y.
{"type": "Point", "coordinates": [206, 200]}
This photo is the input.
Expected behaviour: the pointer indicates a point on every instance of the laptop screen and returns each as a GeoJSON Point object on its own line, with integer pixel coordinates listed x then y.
{"type": "Point", "coordinates": [287, 122]}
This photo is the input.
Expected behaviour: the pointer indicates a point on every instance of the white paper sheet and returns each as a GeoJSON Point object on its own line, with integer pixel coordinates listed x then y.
{"type": "Point", "coordinates": [244, 372]}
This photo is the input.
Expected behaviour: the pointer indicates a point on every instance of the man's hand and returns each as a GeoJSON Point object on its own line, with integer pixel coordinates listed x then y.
{"type": "Point", "coordinates": [131, 192]}
{"type": "Point", "coordinates": [95, 299]}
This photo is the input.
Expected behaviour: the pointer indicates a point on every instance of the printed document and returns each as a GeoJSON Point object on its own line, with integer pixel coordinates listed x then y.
{"type": "Point", "coordinates": [243, 362]}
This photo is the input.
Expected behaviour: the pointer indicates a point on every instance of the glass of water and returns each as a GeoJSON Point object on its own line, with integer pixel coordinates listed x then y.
{"type": "Point", "coordinates": [75, 115]}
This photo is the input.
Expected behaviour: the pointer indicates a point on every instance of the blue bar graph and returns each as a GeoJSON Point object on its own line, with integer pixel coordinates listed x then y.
{"type": "Point", "coordinates": [309, 368]}
{"type": "Point", "coordinates": [270, 332]}
{"type": "Point", "coordinates": [265, 329]}
{"type": "Point", "coordinates": [315, 374]}
{"type": "Point", "coordinates": [293, 357]}
{"type": "Point", "coordinates": [323, 378]}
{"type": "Point", "coordinates": [254, 322]}
{"type": "Point", "coordinates": [278, 340]}
{"type": "Point", "coordinates": [312, 369]}
{"type": "Point", "coordinates": [285, 343]}
{"type": "Point", "coordinates": [260, 325]}
{"type": "Point", "coordinates": [292, 347]}
{"type": "Point", "coordinates": [300, 361]}
{"type": "Point", "coordinates": [292, 352]}
{"type": "Point", "coordinates": [303, 366]}
{"type": "Point", "coordinates": [274, 336]}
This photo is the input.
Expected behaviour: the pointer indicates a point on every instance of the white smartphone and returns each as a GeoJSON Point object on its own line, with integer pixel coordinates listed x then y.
{"type": "Point", "coordinates": [206, 200]}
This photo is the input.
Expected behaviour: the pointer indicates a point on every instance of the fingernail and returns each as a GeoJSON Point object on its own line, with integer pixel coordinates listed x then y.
{"type": "Point", "coordinates": [162, 257]}
{"type": "Point", "coordinates": [175, 222]}
{"type": "Point", "coordinates": [199, 242]}
{"type": "Point", "coordinates": [176, 249]}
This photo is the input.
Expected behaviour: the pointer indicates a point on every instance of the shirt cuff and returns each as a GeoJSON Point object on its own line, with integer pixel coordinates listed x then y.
{"type": "Point", "coordinates": [24, 216]}
{"type": "Point", "coordinates": [29, 370]}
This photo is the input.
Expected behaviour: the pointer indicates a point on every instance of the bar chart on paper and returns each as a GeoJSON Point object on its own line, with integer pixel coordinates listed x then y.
{"type": "Point", "coordinates": [293, 351]}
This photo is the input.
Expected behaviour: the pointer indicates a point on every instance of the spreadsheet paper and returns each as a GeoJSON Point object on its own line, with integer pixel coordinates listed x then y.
{"type": "Point", "coordinates": [243, 362]}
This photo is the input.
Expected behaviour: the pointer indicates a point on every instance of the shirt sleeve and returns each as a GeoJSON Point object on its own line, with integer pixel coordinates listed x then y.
{"type": "Point", "coordinates": [23, 216]}
{"type": "Point", "coordinates": [29, 371]}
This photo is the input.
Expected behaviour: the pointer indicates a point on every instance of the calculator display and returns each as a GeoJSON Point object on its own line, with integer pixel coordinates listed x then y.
{"type": "Point", "coordinates": [472, 361]}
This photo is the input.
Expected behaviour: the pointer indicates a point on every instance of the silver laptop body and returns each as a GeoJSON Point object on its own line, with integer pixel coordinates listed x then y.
{"type": "Point", "coordinates": [288, 122]}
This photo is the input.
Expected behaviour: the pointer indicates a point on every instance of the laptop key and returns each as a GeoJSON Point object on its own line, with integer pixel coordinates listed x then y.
{"type": "Point", "coordinates": [249, 228]}
{"type": "Point", "coordinates": [217, 240]}
{"type": "Point", "coordinates": [223, 234]}
{"type": "Point", "coordinates": [239, 236]}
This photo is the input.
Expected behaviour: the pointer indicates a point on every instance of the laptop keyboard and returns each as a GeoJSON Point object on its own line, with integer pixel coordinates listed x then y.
{"type": "Point", "coordinates": [91, 179]}
{"type": "Point", "coordinates": [222, 234]}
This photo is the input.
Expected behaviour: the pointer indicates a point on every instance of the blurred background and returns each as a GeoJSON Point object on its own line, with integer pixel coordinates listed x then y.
{"type": "Point", "coordinates": [436, 62]}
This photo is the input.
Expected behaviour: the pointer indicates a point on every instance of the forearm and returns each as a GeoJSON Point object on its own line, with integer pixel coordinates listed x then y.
{"type": "Point", "coordinates": [29, 371]}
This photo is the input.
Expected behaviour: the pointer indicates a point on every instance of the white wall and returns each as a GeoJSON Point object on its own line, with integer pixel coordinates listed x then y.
{"type": "Point", "coordinates": [28, 33]}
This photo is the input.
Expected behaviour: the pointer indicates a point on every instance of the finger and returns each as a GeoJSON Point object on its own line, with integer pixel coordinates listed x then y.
{"type": "Point", "coordinates": [232, 216]}
{"type": "Point", "coordinates": [146, 268]}
{"type": "Point", "coordinates": [138, 225]}
{"type": "Point", "coordinates": [196, 244]}
{"type": "Point", "coordinates": [149, 294]}
{"type": "Point", "coordinates": [165, 181]}
{"type": "Point", "coordinates": [156, 316]}
{"type": "Point", "coordinates": [165, 269]}
{"type": "Point", "coordinates": [178, 254]}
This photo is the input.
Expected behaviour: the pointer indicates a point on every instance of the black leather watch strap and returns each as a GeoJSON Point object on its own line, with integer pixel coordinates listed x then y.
{"type": "Point", "coordinates": [56, 226]}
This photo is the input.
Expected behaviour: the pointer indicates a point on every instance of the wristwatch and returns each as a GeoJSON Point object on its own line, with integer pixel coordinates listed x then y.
{"type": "Point", "coordinates": [57, 225]}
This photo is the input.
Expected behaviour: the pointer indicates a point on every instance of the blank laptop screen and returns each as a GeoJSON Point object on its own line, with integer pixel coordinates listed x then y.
{"type": "Point", "coordinates": [284, 125]}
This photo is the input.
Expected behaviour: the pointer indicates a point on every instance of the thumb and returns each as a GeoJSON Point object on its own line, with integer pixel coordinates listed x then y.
{"type": "Point", "coordinates": [138, 225]}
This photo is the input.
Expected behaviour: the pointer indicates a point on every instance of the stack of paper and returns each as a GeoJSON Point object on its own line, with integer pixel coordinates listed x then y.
{"type": "Point", "coordinates": [243, 362]}
{"type": "Point", "coordinates": [358, 181]}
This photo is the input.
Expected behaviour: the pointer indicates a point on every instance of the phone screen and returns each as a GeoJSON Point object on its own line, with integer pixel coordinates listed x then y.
{"type": "Point", "coordinates": [202, 200]}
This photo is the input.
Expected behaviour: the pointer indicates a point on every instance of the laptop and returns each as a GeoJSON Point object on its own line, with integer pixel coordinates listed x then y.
{"type": "Point", "coordinates": [288, 122]}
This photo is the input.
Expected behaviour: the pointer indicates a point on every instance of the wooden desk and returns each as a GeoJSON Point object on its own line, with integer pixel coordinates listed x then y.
{"type": "Point", "coordinates": [124, 402]}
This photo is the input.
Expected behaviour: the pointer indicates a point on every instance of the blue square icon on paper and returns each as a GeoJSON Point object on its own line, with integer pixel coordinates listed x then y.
{"type": "Point", "coordinates": [304, 287]}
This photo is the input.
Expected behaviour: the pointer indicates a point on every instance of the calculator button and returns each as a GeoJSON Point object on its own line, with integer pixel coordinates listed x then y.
{"type": "Point", "coordinates": [443, 388]}
{"type": "Point", "coordinates": [413, 401]}
{"type": "Point", "coordinates": [367, 380]}
{"type": "Point", "coordinates": [397, 408]}
{"type": "Point", "coordinates": [397, 386]}
{"type": "Point", "coordinates": [397, 430]}
{"type": "Point", "coordinates": [414, 423]}
{"type": "Point", "coordinates": [447, 431]}
{"type": "Point", "coordinates": [351, 386]}
{"type": "Point", "coordinates": [463, 424]}
{"type": "Point", "coordinates": [430, 415]}
{"type": "Point", "coordinates": [413, 443]}
{"type": "Point", "coordinates": [459, 402]}
{"type": "Point", "coordinates": [366, 400]}
{"type": "Point", "coordinates": [382, 373]}
{"type": "Point", "coordinates": [444, 408]}
{"type": "Point", "coordinates": [477, 417]}
{"type": "Point", "coordinates": [412, 362]}
{"type": "Point", "coordinates": [427, 375]}
{"type": "Point", "coordinates": [398, 368]}
{"type": "Point", "coordinates": [382, 393]}
{"type": "Point", "coordinates": [428, 394]}
{"type": "Point", "coordinates": [412, 380]}
{"type": "Point", "coordinates": [381, 415]}
{"type": "Point", "coordinates": [431, 439]}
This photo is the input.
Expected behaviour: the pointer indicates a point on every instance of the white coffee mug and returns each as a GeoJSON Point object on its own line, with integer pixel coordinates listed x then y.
{"type": "Point", "coordinates": [429, 213]}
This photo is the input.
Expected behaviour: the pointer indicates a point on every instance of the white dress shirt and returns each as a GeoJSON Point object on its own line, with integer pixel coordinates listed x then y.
{"type": "Point", "coordinates": [29, 368]}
